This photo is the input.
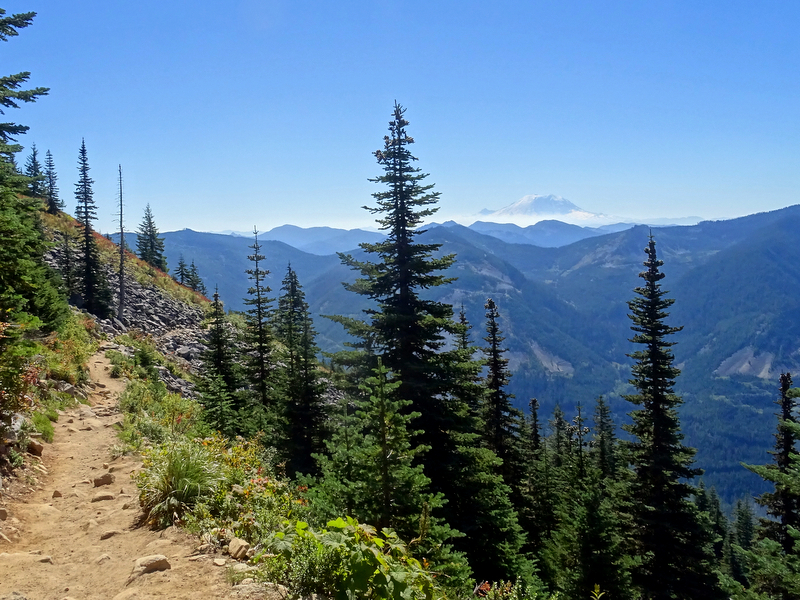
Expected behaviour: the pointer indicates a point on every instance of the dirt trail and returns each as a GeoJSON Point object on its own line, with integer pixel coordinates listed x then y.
{"type": "Point", "coordinates": [55, 547]}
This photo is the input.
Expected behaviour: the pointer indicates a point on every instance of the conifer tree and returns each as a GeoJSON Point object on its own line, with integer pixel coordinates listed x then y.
{"type": "Point", "coordinates": [391, 489]}
{"type": "Point", "coordinates": [779, 536]}
{"type": "Point", "coordinates": [670, 538]}
{"type": "Point", "coordinates": [194, 280]}
{"type": "Point", "coordinates": [478, 500]}
{"type": "Point", "coordinates": [258, 359]}
{"type": "Point", "coordinates": [149, 244]}
{"type": "Point", "coordinates": [604, 446]}
{"type": "Point", "coordinates": [11, 96]}
{"type": "Point", "coordinates": [54, 203]}
{"type": "Point", "coordinates": [35, 175]}
{"type": "Point", "coordinates": [300, 380]}
{"type": "Point", "coordinates": [182, 272]}
{"type": "Point", "coordinates": [409, 330]}
{"type": "Point", "coordinates": [94, 286]}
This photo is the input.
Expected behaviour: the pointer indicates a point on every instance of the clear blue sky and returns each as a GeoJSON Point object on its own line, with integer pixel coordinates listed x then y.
{"type": "Point", "coordinates": [259, 112]}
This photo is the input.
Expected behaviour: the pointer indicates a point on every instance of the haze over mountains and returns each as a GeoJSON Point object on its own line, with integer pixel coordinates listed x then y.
{"type": "Point", "coordinates": [563, 307]}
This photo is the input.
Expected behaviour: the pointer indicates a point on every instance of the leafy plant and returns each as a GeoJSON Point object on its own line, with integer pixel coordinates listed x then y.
{"type": "Point", "coordinates": [364, 563]}
{"type": "Point", "coordinates": [43, 425]}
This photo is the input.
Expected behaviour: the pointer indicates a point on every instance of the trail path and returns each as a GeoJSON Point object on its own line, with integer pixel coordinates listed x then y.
{"type": "Point", "coordinates": [65, 541]}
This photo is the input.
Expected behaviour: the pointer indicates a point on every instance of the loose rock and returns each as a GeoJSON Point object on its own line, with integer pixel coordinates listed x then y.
{"type": "Point", "coordinates": [106, 479]}
{"type": "Point", "coordinates": [36, 448]}
{"type": "Point", "coordinates": [102, 497]}
{"type": "Point", "coordinates": [149, 564]}
{"type": "Point", "coordinates": [110, 533]}
{"type": "Point", "coordinates": [238, 548]}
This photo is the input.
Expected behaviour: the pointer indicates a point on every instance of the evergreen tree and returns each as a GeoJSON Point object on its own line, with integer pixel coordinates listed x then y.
{"type": "Point", "coordinates": [605, 440]}
{"type": "Point", "coordinates": [500, 418]}
{"type": "Point", "coordinates": [182, 273]}
{"type": "Point", "coordinates": [194, 281]}
{"type": "Point", "coordinates": [478, 500]}
{"type": "Point", "coordinates": [148, 243]}
{"type": "Point", "coordinates": [301, 385]}
{"type": "Point", "coordinates": [11, 96]}
{"type": "Point", "coordinates": [35, 175]}
{"type": "Point", "coordinates": [258, 343]}
{"type": "Point", "coordinates": [94, 286]}
{"type": "Point", "coordinates": [391, 489]}
{"type": "Point", "coordinates": [408, 329]}
{"type": "Point", "coordinates": [218, 357]}
{"type": "Point", "coordinates": [778, 536]}
{"type": "Point", "coordinates": [54, 204]}
{"type": "Point", "coordinates": [672, 544]}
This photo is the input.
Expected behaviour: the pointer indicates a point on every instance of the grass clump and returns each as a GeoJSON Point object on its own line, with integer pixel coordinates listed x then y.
{"type": "Point", "coordinates": [175, 477]}
{"type": "Point", "coordinates": [44, 425]}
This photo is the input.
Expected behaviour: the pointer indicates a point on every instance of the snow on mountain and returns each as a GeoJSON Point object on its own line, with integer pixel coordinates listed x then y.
{"type": "Point", "coordinates": [534, 208]}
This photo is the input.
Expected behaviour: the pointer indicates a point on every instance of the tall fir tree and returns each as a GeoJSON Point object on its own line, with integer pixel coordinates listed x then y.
{"type": "Point", "coordinates": [258, 348]}
{"type": "Point", "coordinates": [671, 542]}
{"type": "Point", "coordinates": [779, 536]}
{"type": "Point", "coordinates": [94, 286]}
{"type": "Point", "coordinates": [194, 280]}
{"type": "Point", "coordinates": [10, 97]}
{"type": "Point", "coordinates": [181, 274]}
{"type": "Point", "coordinates": [35, 174]}
{"type": "Point", "coordinates": [54, 203]}
{"type": "Point", "coordinates": [301, 384]}
{"type": "Point", "coordinates": [409, 333]}
{"type": "Point", "coordinates": [390, 488]}
{"type": "Point", "coordinates": [501, 419]}
{"type": "Point", "coordinates": [409, 330]}
{"type": "Point", "coordinates": [149, 245]}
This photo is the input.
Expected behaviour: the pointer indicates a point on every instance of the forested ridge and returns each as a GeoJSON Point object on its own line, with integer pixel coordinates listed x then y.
{"type": "Point", "coordinates": [401, 466]}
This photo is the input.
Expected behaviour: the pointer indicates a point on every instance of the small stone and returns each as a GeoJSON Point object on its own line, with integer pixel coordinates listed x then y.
{"type": "Point", "coordinates": [46, 559]}
{"type": "Point", "coordinates": [101, 559]}
{"type": "Point", "coordinates": [106, 479]}
{"type": "Point", "coordinates": [110, 533]}
{"type": "Point", "coordinates": [57, 494]}
{"type": "Point", "coordinates": [3, 514]}
{"type": "Point", "coordinates": [238, 548]}
{"type": "Point", "coordinates": [91, 523]}
{"type": "Point", "coordinates": [102, 497]}
{"type": "Point", "coordinates": [105, 465]}
{"type": "Point", "coordinates": [36, 448]}
{"type": "Point", "coordinates": [149, 564]}
{"type": "Point", "coordinates": [220, 562]}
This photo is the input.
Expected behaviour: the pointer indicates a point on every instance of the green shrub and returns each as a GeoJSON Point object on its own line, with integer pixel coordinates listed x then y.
{"type": "Point", "coordinates": [174, 478]}
{"type": "Point", "coordinates": [44, 425]}
{"type": "Point", "coordinates": [351, 560]}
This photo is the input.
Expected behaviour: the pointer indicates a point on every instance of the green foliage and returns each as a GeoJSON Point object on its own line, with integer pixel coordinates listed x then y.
{"type": "Point", "coordinates": [96, 294]}
{"type": "Point", "coordinates": [148, 243]}
{"type": "Point", "coordinates": [299, 379]}
{"type": "Point", "coordinates": [175, 476]}
{"type": "Point", "coordinates": [357, 562]}
{"type": "Point", "coordinates": [672, 545]}
{"type": "Point", "coordinates": [44, 425]}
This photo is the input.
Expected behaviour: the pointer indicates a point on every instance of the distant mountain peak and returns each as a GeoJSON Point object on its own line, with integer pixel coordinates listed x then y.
{"type": "Point", "coordinates": [536, 204]}
{"type": "Point", "coordinates": [533, 208]}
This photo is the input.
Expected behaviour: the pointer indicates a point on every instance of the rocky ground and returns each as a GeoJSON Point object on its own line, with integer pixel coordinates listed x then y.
{"type": "Point", "coordinates": [68, 530]}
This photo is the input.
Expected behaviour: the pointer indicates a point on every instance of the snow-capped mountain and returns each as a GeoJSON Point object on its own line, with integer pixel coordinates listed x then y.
{"type": "Point", "coordinates": [534, 208]}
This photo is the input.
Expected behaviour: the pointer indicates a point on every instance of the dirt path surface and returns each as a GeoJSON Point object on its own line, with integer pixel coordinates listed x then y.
{"type": "Point", "coordinates": [73, 539]}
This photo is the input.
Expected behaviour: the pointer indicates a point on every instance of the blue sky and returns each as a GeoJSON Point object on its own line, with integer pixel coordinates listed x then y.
{"type": "Point", "coordinates": [229, 115]}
